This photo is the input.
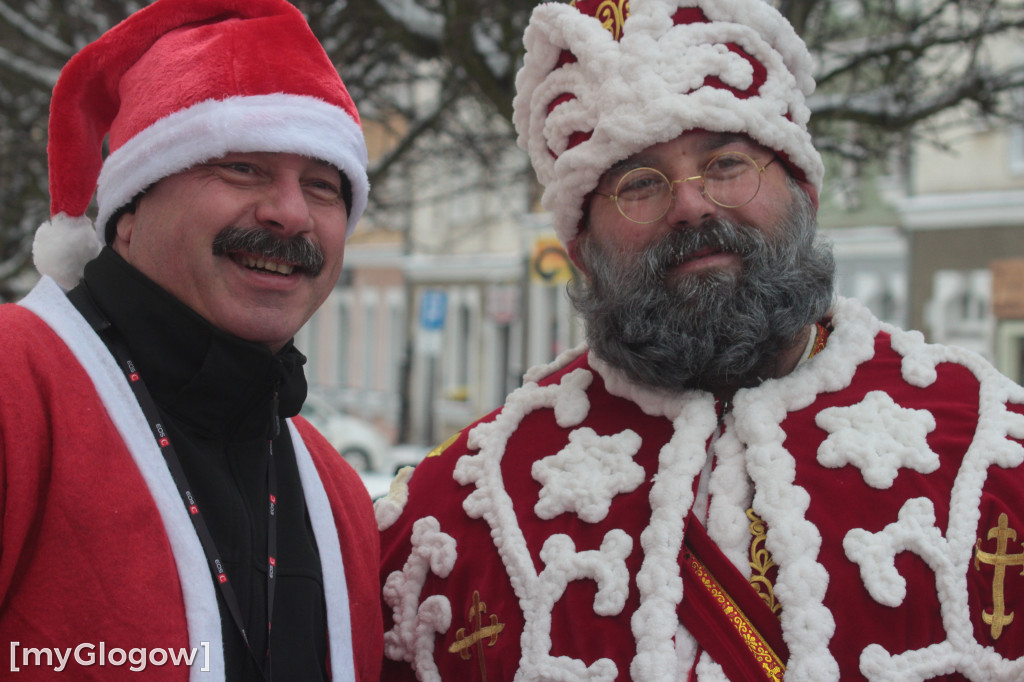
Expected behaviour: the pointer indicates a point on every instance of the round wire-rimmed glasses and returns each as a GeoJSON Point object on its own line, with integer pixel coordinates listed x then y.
{"type": "Point", "coordinates": [729, 180]}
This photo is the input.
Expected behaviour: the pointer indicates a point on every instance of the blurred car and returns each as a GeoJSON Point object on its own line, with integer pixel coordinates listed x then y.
{"type": "Point", "coordinates": [407, 455]}
{"type": "Point", "coordinates": [377, 483]}
{"type": "Point", "coordinates": [357, 441]}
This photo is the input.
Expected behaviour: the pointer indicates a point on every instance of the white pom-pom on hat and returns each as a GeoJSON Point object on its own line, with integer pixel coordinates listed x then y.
{"type": "Point", "coordinates": [63, 245]}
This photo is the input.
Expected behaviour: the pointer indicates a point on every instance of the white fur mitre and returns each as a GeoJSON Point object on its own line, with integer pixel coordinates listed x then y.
{"type": "Point", "coordinates": [644, 87]}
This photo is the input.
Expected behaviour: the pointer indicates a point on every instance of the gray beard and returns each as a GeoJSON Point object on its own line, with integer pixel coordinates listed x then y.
{"type": "Point", "coordinates": [716, 331]}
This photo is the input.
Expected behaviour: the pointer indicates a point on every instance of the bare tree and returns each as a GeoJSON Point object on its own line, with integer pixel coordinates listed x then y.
{"type": "Point", "coordinates": [888, 71]}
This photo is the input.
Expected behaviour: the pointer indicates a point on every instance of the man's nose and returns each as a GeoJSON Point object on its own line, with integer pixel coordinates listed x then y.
{"type": "Point", "coordinates": [284, 206]}
{"type": "Point", "coordinates": [690, 204]}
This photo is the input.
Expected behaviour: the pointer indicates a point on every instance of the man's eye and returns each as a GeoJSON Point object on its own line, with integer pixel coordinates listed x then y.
{"type": "Point", "coordinates": [638, 185]}
{"type": "Point", "coordinates": [324, 189]}
{"type": "Point", "coordinates": [236, 168]}
{"type": "Point", "coordinates": [727, 166]}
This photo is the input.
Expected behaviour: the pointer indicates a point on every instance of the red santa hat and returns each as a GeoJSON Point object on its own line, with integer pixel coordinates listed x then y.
{"type": "Point", "coordinates": [176, 84]}
{"type": "Point", "coordinates": [605, 79]}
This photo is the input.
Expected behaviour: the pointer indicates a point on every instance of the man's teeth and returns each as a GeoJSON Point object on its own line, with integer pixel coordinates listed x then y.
{"type": "Point", "coordinates": [269, 265]}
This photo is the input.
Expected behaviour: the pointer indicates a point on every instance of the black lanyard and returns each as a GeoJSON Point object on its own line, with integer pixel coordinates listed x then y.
{"type": "Point", "coordinates": [152, 414]}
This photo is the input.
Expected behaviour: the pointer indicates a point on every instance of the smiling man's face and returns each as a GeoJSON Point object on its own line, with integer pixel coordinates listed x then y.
{"type": "Point", "coordinates": [171, 234]}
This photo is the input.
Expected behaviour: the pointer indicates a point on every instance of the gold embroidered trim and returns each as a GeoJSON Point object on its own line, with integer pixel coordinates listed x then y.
{"type": "Point", "coordinates": [820, 339]}
{"type": "Point", "coordinates": [771, 665]}
{"type": "Point", "coordinates": [761, 562]}
{"type": "Point", "coordinates": [999, 560]}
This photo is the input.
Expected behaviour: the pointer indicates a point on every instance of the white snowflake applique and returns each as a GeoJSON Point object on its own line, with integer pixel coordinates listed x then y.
{"type": "Point", "coordinates": [587, 474]}
{"type": "Point", "coordinates": [879, 437]}
{"type": "Point", "coordinates": [412, 637]}
{"type": "Point", "coordinates": [607, 567]}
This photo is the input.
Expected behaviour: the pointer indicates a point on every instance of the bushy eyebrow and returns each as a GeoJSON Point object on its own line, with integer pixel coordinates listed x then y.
{"type": "Point", "coordinates": [626, 165]}
{"type": "Point", "coordinates": [716, 141]}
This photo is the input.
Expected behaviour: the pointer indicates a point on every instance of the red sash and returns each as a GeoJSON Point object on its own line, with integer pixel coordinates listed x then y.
{"type": "Point", "coordinates": [725, 615]}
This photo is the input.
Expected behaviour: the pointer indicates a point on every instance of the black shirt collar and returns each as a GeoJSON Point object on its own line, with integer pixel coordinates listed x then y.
{"type": "Point", "coordinates": [215, 383]}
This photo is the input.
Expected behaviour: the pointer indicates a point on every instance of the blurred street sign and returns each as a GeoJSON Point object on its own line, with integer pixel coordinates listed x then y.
{"type": "Point", "coordinates": [1008, 289]}
{"type": "Point", "coordinates": [503, 303]}
{"type": "Point", "coordinates": [549, 263]}
{"type": "Point", "coordinates": [433, 306]}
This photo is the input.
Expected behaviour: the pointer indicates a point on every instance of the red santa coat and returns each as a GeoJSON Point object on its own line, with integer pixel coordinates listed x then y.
{"type": "Point", "coordinates": [97, 552]}
{"type": "Point", "coordinates": [545, 542]}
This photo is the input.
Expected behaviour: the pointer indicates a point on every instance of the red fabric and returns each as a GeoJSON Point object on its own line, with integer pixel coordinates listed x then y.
{"type": "Point", "coordinates": [840, 500]}
{"type": "Point", "coordinates": [704, 618]}
{"type": "Point", "coordinates": [79, 561]}
{"type": "Point", "coordinates": [575, 630]}
{"type": "Point", "coordinates": [851, 503]}
{"type": "Point", "coordinates": [82, 556]}
{"type": "Point", "coordinates": [357, 530]}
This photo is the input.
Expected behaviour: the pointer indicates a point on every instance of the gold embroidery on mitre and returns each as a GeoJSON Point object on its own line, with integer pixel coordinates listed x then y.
{"type": "Point", "coordinates": [761, 562]}
{"type": "Point", "coordinates": [772, 666]}
{"type": "Point", "coordinates": [465, 641]}
{"type": "Point", "coordinates": [1002, 534]}
{"type": "Point", "coordinates": [612, 14]}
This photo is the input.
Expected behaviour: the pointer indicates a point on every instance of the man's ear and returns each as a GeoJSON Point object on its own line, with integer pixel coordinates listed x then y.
{"type": "Point", "coordinates": [573, 249]}
{"type": "Point", "coordinates": [573, 246]}
{"type": "Point", "coordinates": [113, 229]}
{"type": "Point", "coordinates": [811, 190]}
{"type": "Point", "coordinates": [123, 231]}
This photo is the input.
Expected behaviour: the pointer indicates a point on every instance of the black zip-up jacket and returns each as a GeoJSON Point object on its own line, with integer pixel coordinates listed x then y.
{"type": "Point", "coordinates": [216, 395]}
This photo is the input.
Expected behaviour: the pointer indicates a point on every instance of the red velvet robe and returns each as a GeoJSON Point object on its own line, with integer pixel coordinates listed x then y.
{"type": "Point", "coordinates": [545, 542]}
{"type": "Point", "coordinates": [96, 548]}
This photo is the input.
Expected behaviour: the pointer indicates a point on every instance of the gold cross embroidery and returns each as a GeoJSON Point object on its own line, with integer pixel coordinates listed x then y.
{"type": "Point", "coordinates": [464, 642]}
{"type": "Point", "coordinates": [1000, 560]}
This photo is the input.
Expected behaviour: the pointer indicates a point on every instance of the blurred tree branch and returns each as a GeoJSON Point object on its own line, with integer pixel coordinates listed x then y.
{"type": "Point", "coordinates": [437, 76]}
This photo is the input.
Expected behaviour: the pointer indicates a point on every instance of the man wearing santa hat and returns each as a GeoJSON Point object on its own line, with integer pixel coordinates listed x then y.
{"type": "Point", "coordinates": [739, 478]}
{"type": "Point", "coordinates": [162, 510]}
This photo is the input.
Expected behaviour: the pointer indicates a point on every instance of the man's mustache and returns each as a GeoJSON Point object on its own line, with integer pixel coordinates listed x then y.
{"type": "Point", "coordinates": [262, 243]}
{"type": "Point", "coordinates": [716, 235]}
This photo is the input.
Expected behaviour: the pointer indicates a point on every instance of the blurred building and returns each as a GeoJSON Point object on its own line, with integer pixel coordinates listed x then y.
{"type": "Point", "coordinates": [963, 216]}
{"type": "Point", "coordinates": [440, 311]}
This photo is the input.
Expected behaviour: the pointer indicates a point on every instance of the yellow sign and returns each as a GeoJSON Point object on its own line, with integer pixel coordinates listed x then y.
{"type": "Point", "coordinates": [549, 263]}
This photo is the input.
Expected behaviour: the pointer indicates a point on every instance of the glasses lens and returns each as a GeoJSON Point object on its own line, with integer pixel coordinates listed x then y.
{"type": "Point", "coordinates": [731, 179]}
{"type": "Point", "coordinates": [643, 195]}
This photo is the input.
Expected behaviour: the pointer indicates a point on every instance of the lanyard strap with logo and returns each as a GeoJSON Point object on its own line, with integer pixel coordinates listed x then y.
{"type": "Point", "coordinates": [152, 414]}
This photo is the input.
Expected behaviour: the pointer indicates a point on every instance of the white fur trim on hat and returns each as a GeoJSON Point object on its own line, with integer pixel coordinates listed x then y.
{"type": "Point", "coordinates": [296, 124]}
{"type": "Point", "coordinates": [646, 88]}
